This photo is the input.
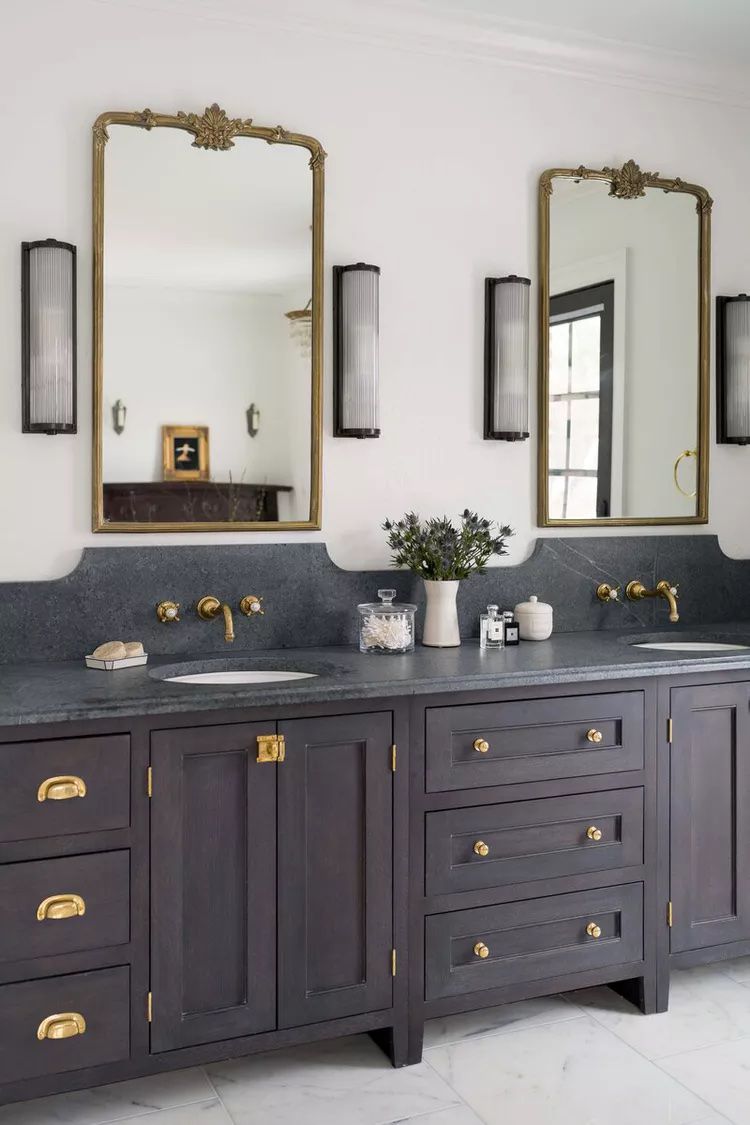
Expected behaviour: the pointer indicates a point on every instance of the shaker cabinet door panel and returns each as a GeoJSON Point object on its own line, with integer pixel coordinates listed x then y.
{"type": "Point", "coordinates": [213, 885]}
{"type": "Point", "coordinates": [335, 868]}
{"type": "Point", "coordinates": [710, 815]}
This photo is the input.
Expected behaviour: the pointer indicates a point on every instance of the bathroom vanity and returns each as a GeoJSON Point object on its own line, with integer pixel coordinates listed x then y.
{"type": "Point", "coordinates": [196, 872]}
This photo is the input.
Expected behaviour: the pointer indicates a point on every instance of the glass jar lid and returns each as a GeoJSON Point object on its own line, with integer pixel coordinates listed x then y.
{"type": "Point", "coordinates": [386, 604]}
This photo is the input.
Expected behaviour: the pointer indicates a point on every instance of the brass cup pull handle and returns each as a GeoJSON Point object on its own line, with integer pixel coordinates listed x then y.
{"type": "Point", "coordinates": [63, 1025]}
{"type": "Point", "coordinates": [594, 735]}
{"type": "Point", "coordinates": [481, 745]}
{"type": "Point", "coordinates": [61, 906]}
{"type": "Point", "coordinates": [61, 788]}
{"type": "Point", "coordinates": [480, 848]}
{"type": "Point", "coordinates": [481, 950]}
{"type": "Point", "coordinates": [593, 832]}
{"type": "Point", "coordinates": [593, 930]}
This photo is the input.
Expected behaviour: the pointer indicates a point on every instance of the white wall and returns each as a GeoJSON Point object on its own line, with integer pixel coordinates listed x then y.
{"type": "Point", "coordinates": [432, 171]}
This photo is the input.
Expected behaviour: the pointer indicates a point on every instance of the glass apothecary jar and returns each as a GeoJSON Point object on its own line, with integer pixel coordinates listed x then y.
{"type": "Point", "coordinates": [386, 626]}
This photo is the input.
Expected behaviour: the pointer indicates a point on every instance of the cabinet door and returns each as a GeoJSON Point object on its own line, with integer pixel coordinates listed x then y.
{"type": "Point", "coordinates": [335, 868]}
{"type": "Point", "coordinates": [213, 885]}
{"type": "Point", "coordinates": [710, 815]}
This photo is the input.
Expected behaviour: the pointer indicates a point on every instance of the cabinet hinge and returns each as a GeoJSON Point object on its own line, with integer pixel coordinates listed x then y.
{"type": "Point", "coordinates": [149, 1007]}
{"type": "Point", "coordinates": [150, 781]}
{"type": "Point", "coordinates": [669, 730]}
{"type": "Point", "coordinates": [669, 913]}
{"type": "Point", "coordinates": [393, 962]}
{"type": "Point", "coordinates": [394, 750]}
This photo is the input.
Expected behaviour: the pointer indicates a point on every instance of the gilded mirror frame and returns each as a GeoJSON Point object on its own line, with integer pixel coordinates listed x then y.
{"type": "Point", "coordinates": [214, 130]}
{"type": "Point", "coordinates": [630, 183]}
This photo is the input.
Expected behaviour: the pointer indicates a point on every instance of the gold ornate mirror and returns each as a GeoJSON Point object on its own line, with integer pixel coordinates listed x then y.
{"type": "Point", "coordinates": [208, 312]}
{"type": "Point", "coordinates": [624, 262]}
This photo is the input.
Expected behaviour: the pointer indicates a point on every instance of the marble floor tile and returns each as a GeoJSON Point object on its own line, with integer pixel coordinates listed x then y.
{"type": "Point", "coordinates": [572, 1073]}
{"type": "Point", "coordinates": [705, 1007]}
{"type": "Point", "coordinates": [719, 1074]}
{"type": "Point", "coordinates": [341, 1082]}
{"type": "Point", "coordinates": [200, 1113]}
{"type": "Point", "coordinates": [456, 1115]}
{"type": "Point", "coordinates": [738, 970]}
{"type": "Point", "coordinates": [124, 1100]}
{"type": "Point", "coordinates": [491, 1021]}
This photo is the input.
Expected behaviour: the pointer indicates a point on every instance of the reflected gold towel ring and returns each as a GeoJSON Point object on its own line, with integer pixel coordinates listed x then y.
{"type": "Point", "coordinates": [678, 486]}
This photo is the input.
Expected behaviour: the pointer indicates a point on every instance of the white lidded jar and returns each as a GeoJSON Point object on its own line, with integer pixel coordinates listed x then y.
{"type": "Point", "coordinates": [534, 619]}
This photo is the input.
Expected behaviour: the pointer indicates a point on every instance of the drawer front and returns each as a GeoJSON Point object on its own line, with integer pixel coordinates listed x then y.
{"type": "Point", "coordinates": [64, 786]}
{"type": "Point", "coordinates": [493, 846]}
{"type": "Point", "coordinates": [530, 941]}
{"type": "Point", "coordinates": [475, 745]}
{"type": "Point", "coordinates": [67, 905]}
{"type": "Point", "coordinates": [27, 1050]}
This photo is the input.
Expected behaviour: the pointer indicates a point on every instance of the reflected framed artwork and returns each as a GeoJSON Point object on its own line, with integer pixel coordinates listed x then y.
{"type": "Point", "coordinates": [185, 452]}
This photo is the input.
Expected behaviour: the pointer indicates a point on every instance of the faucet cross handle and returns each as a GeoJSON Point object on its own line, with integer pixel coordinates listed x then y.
{"type": "Point", "coordinates": [607, 593]}
{"type": "Point", "coordinates": [251, 606]}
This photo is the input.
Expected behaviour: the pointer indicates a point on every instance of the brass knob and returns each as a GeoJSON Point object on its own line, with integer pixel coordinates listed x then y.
{"type": "Point", "coordinates": [61, 906]}
{"type": "Point", "coordinates": [61, 788]}
{"type": "Point", "coordinates": [63, 1025]}
{"type": "Point", "coordinates": [481, 950]}
{"type": "Point", "coordinates": [481, 745]}
{"type": "Point", "coordinates": [593, 832]}
{"type": "Point", "coordinates": [481, 848]}
{"type": "Point", "coordinates": [594, 735]}
{"type": "Point", "coordinates": [593, 930]}
{"type": "Point", "coordinates": [251, 606]}
{"type": "Point", "coordinates": [168, 611]}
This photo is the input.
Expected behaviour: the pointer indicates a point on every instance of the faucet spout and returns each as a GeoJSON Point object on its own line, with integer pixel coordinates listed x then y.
{"type": "Point", "coordinates": [636, 590]}
{"type": "Point", "coordinates": [210, 607]}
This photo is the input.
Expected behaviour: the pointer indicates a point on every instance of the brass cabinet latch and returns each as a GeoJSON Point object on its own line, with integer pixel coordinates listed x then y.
{"type": "Point", "coordinates": [271, 748]}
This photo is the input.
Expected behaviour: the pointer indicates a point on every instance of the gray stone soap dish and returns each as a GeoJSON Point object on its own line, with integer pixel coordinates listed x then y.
{"type": "Point", "coordinates": [115, 665]}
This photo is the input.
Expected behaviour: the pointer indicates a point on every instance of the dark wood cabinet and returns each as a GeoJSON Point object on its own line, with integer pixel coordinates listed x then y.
{"type": "Point", "coordinates": [710, 815]}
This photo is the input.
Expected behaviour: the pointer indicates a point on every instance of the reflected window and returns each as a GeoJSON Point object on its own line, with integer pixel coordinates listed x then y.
{"type": "Point", "coordinates": [580, 402]}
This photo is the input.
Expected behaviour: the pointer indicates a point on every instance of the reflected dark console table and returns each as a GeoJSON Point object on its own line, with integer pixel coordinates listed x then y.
{"type": "Point", "coordinates": [196, 501]}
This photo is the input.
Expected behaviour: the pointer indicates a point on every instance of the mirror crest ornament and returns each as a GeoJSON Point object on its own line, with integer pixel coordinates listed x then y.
{"type": "Point", "coordinates": [627, 183]}
{"type": "Point", "coordinates": [213, 130]}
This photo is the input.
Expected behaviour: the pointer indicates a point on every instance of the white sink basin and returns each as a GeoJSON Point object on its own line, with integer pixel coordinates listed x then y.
{"type": "Point", "coordinates": [238, 676]}
{"type": "Point", "coordinates": [691, 646]}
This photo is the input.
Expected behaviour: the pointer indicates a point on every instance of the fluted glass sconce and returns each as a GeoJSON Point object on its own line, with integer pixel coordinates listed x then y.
{"type": "Point", "coordinates": [733, 370]}
{"type": "Point", "coordinates": [506, 358]}
{"type": "Point", "coordinates": [356, 397]}
{"type": "Point", "coordinates": [48, 334]}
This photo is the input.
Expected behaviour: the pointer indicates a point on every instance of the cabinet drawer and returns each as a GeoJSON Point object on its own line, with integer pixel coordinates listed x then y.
{"type": "Point", "coordinates": [64, 786]}
{"type": "Point", "coordinates": [529, 941]}
{"type": "Point", "coordinates": [469, 849]}
{"type": "Point", "coordinates": [475, 745]}
{"type": "Point", "coordinates": [101, 998]}
{"type": "Point", "coordinates": [90, 907]}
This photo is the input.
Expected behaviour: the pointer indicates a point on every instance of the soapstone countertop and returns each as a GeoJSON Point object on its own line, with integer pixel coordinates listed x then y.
{"type": "Point", "coordinates": [45, 692]}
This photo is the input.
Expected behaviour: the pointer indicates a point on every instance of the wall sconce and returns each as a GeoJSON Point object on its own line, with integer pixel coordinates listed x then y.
{"type": "Point", "coordinates": [506, 358]}
{"type": "Point", "coordinates": [119, 414]}
{"type": "Point", "coordinates": [733, 370]}
{"type": "Point", "coordinates": [48, 335]}
{"type": "Point", "coordinates": [253, 419]}
{"type": "Point", "coordinates": [356, 398]}
{"type": "Point", "coordinates": [300, 328]}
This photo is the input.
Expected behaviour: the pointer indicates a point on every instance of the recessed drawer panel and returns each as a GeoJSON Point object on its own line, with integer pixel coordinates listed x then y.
{"type": "Point", "coordinates": [64, 1023]}
{"type": "Point", "coordinates": [475, 745]}
{"type": "Point", "coordinates": [493, 846]}
{"type": "Point", "coordinates": [64, 786]}
{"type": "Point", "coordinates": [471, 950]}
{"type": "Point", "coordinates": [67, 905]}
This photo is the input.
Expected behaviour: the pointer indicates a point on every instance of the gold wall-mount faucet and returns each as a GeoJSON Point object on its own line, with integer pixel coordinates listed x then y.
{"type": "Point", "coordinates": [636, 591]}
{"type": "Point", "coordinates": [210, 607]}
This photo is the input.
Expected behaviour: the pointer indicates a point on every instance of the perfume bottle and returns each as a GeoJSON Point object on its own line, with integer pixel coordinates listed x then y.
{"type": "Point", "coordinates": [510, 628]}
{"type": "Point", "coordinates": [491, 630]}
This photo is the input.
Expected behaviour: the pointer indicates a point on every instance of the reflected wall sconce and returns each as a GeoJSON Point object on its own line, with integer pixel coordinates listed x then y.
{"type": "Point", "coordinates": [733, 370]}
{"type": "Point", "coordinates": [300, 328]}
{"type": "Point", "coordinates": [119, 414]}
{"type": "Point", "coordinates": [506, 358]}
{"type": "Point", "coordinates": [356, 332]}
{"type": "Point", "coordinates": [253, 419]}
{"type": "Point", "coordinates": [48, 337]}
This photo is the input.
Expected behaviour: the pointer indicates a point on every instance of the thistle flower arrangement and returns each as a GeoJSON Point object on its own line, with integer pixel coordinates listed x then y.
{"type": "Point", "coordinates": [439, 551]}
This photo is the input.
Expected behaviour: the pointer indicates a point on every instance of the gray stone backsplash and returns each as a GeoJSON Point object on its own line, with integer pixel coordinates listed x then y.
{"type": "Point", "coordinates": [310, 602]}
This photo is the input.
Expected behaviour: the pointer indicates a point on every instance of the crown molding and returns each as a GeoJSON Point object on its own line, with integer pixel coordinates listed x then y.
{"type": "Point", "coordinates": [418, 26]}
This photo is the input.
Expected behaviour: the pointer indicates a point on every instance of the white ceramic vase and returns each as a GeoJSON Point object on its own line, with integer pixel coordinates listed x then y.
{"type": "Point", "coordinates": [441, 616]}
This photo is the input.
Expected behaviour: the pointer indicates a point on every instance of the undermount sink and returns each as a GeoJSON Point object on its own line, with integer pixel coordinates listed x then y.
{"type": "Point", "coordinates": [692, 646]}
{"type": "Point", "coordinates": [239, 676]}
{"type": "Point", "coordinates": [695, 642]}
